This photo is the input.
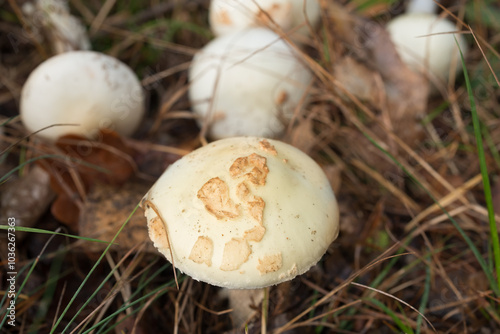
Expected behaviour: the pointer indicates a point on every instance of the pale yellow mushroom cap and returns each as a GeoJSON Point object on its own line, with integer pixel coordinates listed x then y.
{"type": "Point", "coordinates": [243, 212]}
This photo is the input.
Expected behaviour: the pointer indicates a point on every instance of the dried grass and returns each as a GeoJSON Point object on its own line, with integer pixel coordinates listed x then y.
{"type": "Point", "coordinates": [395, 239]}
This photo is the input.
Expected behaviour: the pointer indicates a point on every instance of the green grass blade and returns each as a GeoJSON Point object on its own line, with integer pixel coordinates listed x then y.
{"type": "Point", "coordinates": [143, 286]}
{"type": "Point", "coordinates": [435, 113]}
{"type": "Point", "coordinates": [66, 309]}
{"type": "Point", "coordinates": [3, 301]}
{"type": "Point", "coordinates": [4, 153]}
{"type": "Point", "coordinates": [159, 291]}
{"type": "Point", "coordinates": [37, 230]}
{"type": "Point", "coordinates": [28, 275]}
{"type": "Point", "coordinates": [8, 120]}
{"type": "Point", "coordinates": [48, 295]}
{"type": "Point", "coordinates": [425, 295]}
{"type": "Point", "coordinates": [486, 181]}
{"type": "Point", "coordinates": [403, 327]}
{"type": "Point", "coordinates": [367, 4]}
{"type": "Point", "coordinates": [484, 266]}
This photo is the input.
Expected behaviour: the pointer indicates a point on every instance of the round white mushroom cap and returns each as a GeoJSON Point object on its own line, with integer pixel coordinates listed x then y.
{"type": "Point", "coordinates": [227, 16]}
{"type": "Point", "coordinates": [432, 55]}
{"type": "Point", "coordinates": [248, 83]}
{"type": "Point", "coordinates": [243, 212]}
{"type": "Point", "coordinates": [82, 87]}
{"type": "Point", "coordinates": [53, 19]}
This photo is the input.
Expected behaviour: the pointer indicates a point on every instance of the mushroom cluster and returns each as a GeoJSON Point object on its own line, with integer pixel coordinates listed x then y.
{"type": "Point", "coordinates": [248, 81]}
{"type": "Point", "coordinates": [243, 212]}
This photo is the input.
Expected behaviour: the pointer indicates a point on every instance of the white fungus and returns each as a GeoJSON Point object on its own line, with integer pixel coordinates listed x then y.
{"type": "Point", "coordinates": [228, 16]}
{"type": "Point", "coordinates": [247, 84]}
{"type": "Point", "coordinates": [86, 88]}
{"type": "Point", "coordinates": [435, 55]}
{"type": "Point", "coordinates": [53, 19]}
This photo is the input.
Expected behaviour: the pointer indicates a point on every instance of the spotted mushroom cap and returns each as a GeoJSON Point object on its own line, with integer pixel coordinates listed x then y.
{"type": "Point", "coordinates": [227, 16]}
{"type": "Point", "coordinates": [243, 212]}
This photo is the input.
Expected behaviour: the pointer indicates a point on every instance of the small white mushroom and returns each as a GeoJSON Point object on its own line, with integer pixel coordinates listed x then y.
{"type": "Point", "coordinates": [86, 88]}
{"type": "Point", "coordinates": [243, 212]}
{"type": "Point", "coordinates": [227, 16]}
{"type": "Point", "coordinates": [64, 31]}
{"type": "Point", "coordinates": [247, 84]}
{"type": "Point", "coordinates": [434, 56]}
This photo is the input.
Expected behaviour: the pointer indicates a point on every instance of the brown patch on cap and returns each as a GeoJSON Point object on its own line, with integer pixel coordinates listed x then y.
{"type": "Point", "coordinates": [157, 233]}
{"type": "Point", "coordinates": [202, 251]}
{"type": "Point", "coordinates": [256, 209]}
{"type": "Point", "coordinates": [215, 195]}
{"type": "Point", "coordinates": [255, 205]}
{"type": "Point", "coordinates": [281, 98]}
{"type": "Point", "coordinates": [223, 17]}
{"type": "Point", "coordinates": [255, 234]}
{"type": "Point", "coordinates": [236, 252]}
{"type": "Point", "coordinates": [267, 147]}
{"type": "Point", "coordinates": [270, 263]}
{"type": "Point", "coordinates": [252, 167]}
{"type": "Point", "coordinates": [276, 12]}
{"type": "Point", "coordinates": [242, 191]}
{"type": "Point", "coordinates": [219, 116]}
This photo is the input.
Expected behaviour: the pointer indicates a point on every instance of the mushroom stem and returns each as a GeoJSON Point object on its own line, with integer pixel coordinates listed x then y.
{"type": "Point", "coordinates": [422, 6]}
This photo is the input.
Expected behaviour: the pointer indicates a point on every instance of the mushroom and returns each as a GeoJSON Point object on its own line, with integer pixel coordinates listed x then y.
{"type": "Point", "coordinates": [53, 20]}
{"type": "Point", "coordinates": [227, 16]}
{"type": "Point", "coordinates": [247, 83]}
{"type": "Point", "coordinates": [242, 212]}
{"type": "Point", "coordinates": [85, 88]}
{"type": "Point", "coordinates": [433, 55]}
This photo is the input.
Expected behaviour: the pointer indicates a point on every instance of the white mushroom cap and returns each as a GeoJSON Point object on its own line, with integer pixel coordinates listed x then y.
{"type": "Point", "coordinates": [227, 16]}
{"type": "Point", "coordinates": [64, 31]}
{"type": "Point", "coordinates": [243, 212]}
{"type": "Point", "coordinates": [248, 82]}
{"type": "Point", "coordinates": [433, 55]}
{"type": "Point", "coordinates": [82, 87]}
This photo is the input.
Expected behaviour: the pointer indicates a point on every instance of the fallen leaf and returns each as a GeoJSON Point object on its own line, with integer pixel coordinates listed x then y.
{"type": "Point", "coordinates": [359, 80]}
{"type": "Point", "coordinates": [106, 209]}
{"type": "Point", "coordinates": [66, 211]}
{"type": "Point", "coordinates": [109, 152]}
{"type": "Point", "coordinates": [391, 87]}
{"type": "Point", "coordinates": [106, 160]}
